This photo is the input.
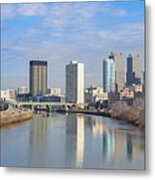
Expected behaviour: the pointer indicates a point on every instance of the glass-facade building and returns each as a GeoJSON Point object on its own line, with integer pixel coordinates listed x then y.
{"type": "Point", "coordinates": [109, 75]}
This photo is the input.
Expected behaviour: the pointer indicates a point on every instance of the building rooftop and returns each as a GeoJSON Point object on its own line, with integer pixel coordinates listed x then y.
{"type": "Point", "coordinates": [73, 62]}
{"type": "Point", "coordinates": [38, 62]}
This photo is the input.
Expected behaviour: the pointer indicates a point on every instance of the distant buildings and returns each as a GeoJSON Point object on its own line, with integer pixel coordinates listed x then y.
{"type": "Point", "coordinates": [54, 91]}
{"type": "Point", "coordinates": [114, 78]}
{"type": "Point", "coordinates": [54, 95]}
{"type": "Point", "coordinates": [109, 69]}
{"type": "Point", "coordinates": [75, 82]}
{"type": "Point", "coordinates": [8, 94]}
{"type": "Point", "coordinates": [94, 94]}
{"type": "Point", "coordinates": [38, 77]}
{"type": "Point", "coordinates": [118, 59]}
{"type": "Point", "coordinates": [133, 75]}
{"type": "Point", "coordinates": [126, 94]}
{"type": "Point", "coordinates": [53, 98]}
{"type": "Point", "coordinates": [22, 90]}
{"type": "Point", "coordinates": [113, 97]}
{"type": "Point", "coordinates": [23, 94]}
{"type": "Point", "coordinates": [114, 87]}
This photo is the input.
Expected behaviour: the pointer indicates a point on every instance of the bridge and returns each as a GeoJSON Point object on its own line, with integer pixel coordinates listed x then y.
{"type": "Point", "coordinates": [47, 105]}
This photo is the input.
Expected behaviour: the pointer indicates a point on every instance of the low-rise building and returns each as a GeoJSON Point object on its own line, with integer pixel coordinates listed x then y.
{"type": "Point", "coordinates": [94, 94]}
{"type": "Point", "coordinates": [126, 93]}
{"type": "Point", "coordinates": [53, 98]}
{"type": "Point", "coordinates": [137, 88]}
{"type": "Point", "coordinates": [8, 94]}
{"type": "Point", "coordinates": [54, 91]}
{"type": "Point", "coordinates": [113, 97]}
{"type": "Point", "coordinates": [24, 97]}
{"type": "Point", "coordinates": [22, 90]}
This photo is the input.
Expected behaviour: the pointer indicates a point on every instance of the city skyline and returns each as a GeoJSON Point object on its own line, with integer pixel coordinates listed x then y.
{"type": "Point", "coordinates": [89, 38]}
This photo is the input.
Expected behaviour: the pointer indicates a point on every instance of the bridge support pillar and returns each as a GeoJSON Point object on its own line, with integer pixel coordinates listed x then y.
{"type": "Point", "coordinates": [66, 108]}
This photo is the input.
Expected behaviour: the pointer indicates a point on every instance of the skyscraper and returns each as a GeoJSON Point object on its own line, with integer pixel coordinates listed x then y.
{"type": "Point", "coordinates": [38, 77]}
{"type": "Point", "coordinates": [109, 75]}
{"type": "Point", "coordinates": [119, 70]}
{"type": "Point", "coordinates": [75, 82]}
{"type": "Point", "coordinates": [133, 75]}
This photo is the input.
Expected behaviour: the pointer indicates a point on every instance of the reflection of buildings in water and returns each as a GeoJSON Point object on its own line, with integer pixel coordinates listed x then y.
{"type": "Point", "coordinates": [75, 141]}
{"type": "Point", "coordinates": [108, 144]}
{"type": "Point", "coordinates": [134, 149]}
{"type": "Point", "coordinates": [120, 146]}
{"type": "Point", "coordinates": [126, 148]}
{"type": "Point", "coordinates": [138, 153]}
{"type": "Point", "coordinates": [103, 137]}
{"type": "Point", "coordinates": [80, 141]}
{"type": "Point", "coordinates": [37, 135]}
{"type": "Point", "coordinates": [117, 146]}
{"type": "Point", "coordinates": [129, 147]}
{"type": "Point", "coordinates": [70, 150]}
{"type": "Point", "coordinates": [98, 127]}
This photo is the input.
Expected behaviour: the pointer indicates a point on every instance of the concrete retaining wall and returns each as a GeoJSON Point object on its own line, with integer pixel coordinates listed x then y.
{"type": "Point", "coordinates": [14, 117]}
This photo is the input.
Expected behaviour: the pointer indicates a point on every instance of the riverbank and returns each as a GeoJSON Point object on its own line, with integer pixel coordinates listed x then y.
{"type": "Point", "coordinates": [95, 112]}
{"type": "Point", "coordinates": [11, 116]}
{"type": "Point", "coordinates": [126, 117]}
{"type": "Point", "coordinates": [134, 114]}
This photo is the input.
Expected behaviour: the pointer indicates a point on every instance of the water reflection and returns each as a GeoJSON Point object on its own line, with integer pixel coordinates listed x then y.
{"type": "Point", "coordinates": [76, 141]}
{"type": "Point", "coordinates": [80, 140]}
{"type": "Point", "coordinates": [38, 142]}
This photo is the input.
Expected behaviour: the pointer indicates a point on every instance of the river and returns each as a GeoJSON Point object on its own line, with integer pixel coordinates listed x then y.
{"type": "Point", "coordinates": [72, 141]}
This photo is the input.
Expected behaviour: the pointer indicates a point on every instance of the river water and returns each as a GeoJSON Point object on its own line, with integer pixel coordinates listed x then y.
{"type": "Point", "coordinates": [72, 141]}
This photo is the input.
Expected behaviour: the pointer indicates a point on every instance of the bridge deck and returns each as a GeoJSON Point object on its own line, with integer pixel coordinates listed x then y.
{"type": "Point", "coordinates": [43, 103]}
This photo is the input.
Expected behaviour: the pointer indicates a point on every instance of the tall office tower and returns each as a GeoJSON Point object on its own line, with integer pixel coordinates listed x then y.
{"type": "Point", "coordinates": [38, 77]}
{"type": "Point", "coordinates": [120, 73]}
{"type": "Point", "coordinates": [109, 75]}
{"type": "Point", "coordinates": [133, 75]}
{"type": "Point", "coordinates": [75, 82]}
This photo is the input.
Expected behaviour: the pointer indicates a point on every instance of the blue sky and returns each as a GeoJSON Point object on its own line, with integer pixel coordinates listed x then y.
{"type": "Point", "coordinates": [60, 32]}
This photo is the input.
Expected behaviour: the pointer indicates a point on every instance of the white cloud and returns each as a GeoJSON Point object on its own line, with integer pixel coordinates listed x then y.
{"type": "Point", "coordinates": [7, 11]}
{"type": "Point", "coordinates": [34, 9]}
{"type": "Point", "coordinates": [120, 13]}
{"type": "Point", "coordinates": [126, 32]}
{"type": "Point", "coordinates": [69, 31]}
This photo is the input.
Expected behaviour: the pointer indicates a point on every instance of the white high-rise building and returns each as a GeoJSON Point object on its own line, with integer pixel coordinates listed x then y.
{"type": "Point", "coordinates": [75, 82]}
